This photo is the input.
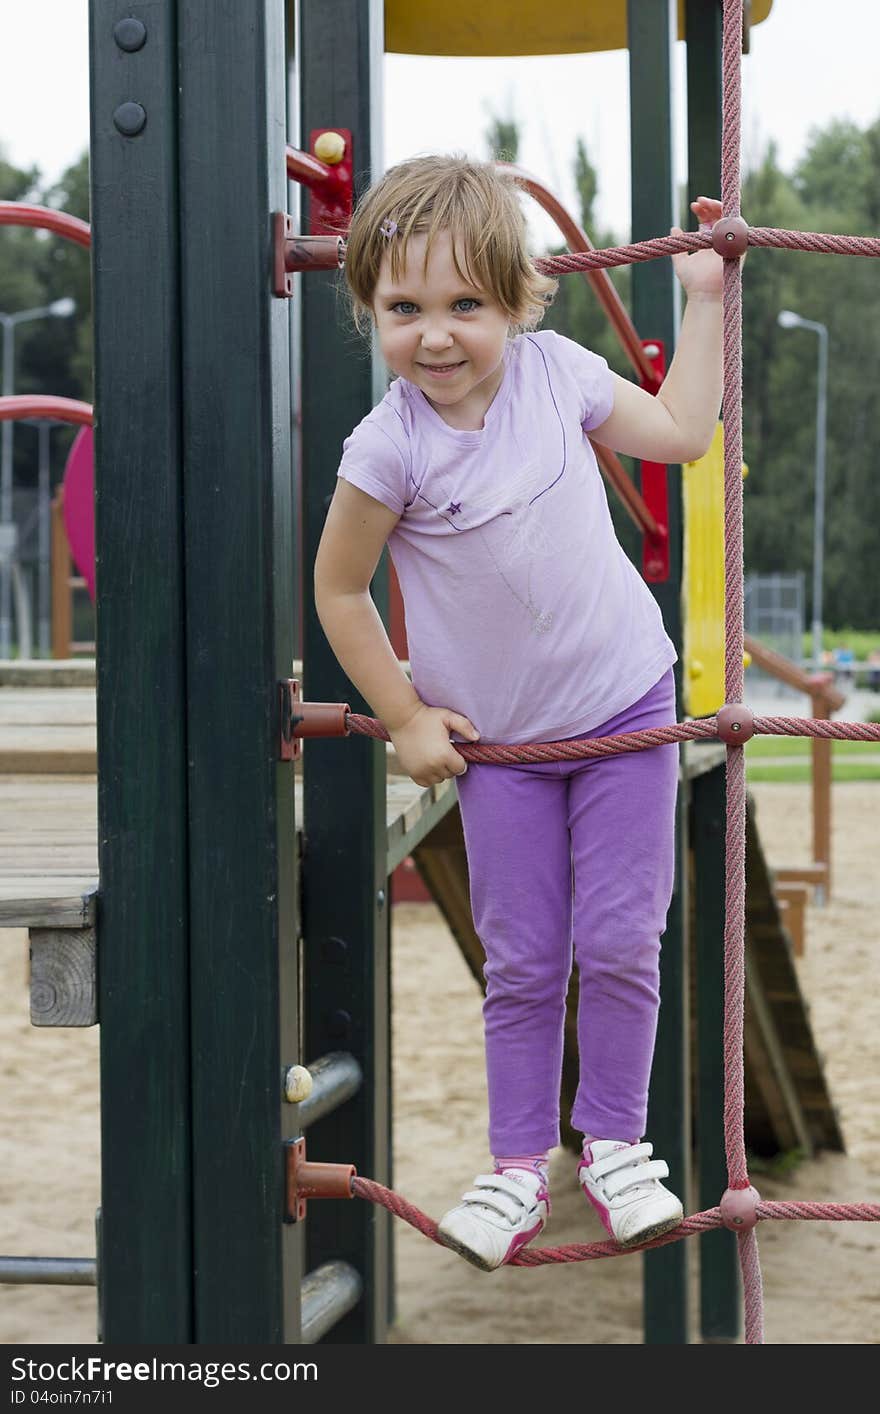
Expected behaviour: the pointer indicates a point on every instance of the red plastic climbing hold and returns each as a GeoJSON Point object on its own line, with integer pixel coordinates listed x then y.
{"type": "Point", "coordinates": [730, 236]}
{"type": "Point", "coordinates": [739, 1208]}
{"type": "Point", "coordinates": [736, 723]}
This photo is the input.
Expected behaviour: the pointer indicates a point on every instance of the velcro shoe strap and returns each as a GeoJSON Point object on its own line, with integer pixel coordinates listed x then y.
{"type": "Point", "coordinates": [502, 1195]}
{"type": "Point", "coordinates": [619, 1158]}
{"type": "Point", "coordinates": [506, 1185]}
{"type": "Point", "coordinates": [617, 1183]}
{"type": "Point", "coordinates": [505, 1207]}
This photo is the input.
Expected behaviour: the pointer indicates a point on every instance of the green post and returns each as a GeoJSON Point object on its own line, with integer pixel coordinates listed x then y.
{"type": "Point", "coordinates": [346, 924]}
{"type": "Point", "coordinates": [239, 589]}
{"type": "Point", "coordinates": [720, 1308]}
{"type": "Point", "coordinates": [198, 922]}
{"type": "Point", "coordinates": [720, 1305]}
{"type": "Point", "coordinates": [652, 32]}
{"type": "Point", "coordinates": [146, 1248]}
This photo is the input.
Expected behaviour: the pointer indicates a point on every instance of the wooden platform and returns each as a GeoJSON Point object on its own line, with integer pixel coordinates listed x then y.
{"type": "Point", "coordinates": [49, 842]}
{"type": "Point", "coordinates": [48, 729]}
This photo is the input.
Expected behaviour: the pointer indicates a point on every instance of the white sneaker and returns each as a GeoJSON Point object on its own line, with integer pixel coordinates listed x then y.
{"type": "Point", "coordinates": [498, 1216]}
{"type": "Point", "coordinates": [623, 1187]}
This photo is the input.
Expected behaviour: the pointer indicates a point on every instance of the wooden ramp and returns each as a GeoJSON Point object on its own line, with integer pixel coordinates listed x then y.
{"type": "Point", "coordinates": [787, 1100]}
{"type": "Point", "coordinates": [788, 1104]}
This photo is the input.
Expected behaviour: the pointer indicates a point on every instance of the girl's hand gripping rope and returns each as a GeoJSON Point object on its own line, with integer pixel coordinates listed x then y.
{"type": "Point", "coordinates": [424, 749]}
{"type": "Point", "coordinates": [701, 272]}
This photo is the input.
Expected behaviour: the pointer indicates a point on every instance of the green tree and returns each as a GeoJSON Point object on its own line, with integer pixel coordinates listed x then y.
{"type": "Point", "coordinates": [20, 284]}
{"type": "Point", "coordinates": [502, 139]}
{"type": "Point", "coordinates": [36, 268]}
{"type": "Point", "coordinates": [831, 189]}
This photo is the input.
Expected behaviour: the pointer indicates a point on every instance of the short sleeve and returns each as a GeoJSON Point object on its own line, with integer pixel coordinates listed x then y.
{"type": "Point", "coordinates": [592, 379]}
{"type": "Point", "coordinates": [373, 461]}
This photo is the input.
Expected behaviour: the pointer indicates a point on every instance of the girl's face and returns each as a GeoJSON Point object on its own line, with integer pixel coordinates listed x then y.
{"type": "Point", "coordinates": [441, 333]}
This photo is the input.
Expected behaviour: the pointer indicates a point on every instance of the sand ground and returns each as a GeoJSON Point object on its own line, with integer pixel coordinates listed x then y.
{"type": "Point", "coordinates": [49, 1185]}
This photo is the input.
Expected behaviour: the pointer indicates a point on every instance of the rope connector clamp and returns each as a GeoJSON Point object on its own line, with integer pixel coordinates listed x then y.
{"type": "Point", "coordinates": [292, 252]}
{"type": "Point", "coordinates": [730, 237]}
{"type": "Point", "coordinates": [300, 719]}
{"type": "Point", "coordinates": [739, 1208]}
{"type": "Point", "coordinates": [304, 1180]}
{"type": "Point", "coordinates": [735, 724]}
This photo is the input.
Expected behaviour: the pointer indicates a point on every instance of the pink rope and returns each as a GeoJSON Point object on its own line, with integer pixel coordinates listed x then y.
{"type": "Point", "coordinates": [818, 727]}
{"type": "Point", "coordinates": [707, 1221]}
{"type": "Point", "coordinates": [702, 729]}
{"type": "Point", "coordinates": [765, 237]}
{"type": "Point", "coordinates": [707, 729]}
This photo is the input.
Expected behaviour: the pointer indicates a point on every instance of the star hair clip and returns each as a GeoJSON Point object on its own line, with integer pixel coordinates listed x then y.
{"type": "Point", "coordinates": [388, 229]}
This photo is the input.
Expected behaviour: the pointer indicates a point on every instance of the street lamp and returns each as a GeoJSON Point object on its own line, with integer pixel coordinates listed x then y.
{"type": "Point", "coordinates": [58, 309]}
{"type": "Point", "coordinates": [787, 319]}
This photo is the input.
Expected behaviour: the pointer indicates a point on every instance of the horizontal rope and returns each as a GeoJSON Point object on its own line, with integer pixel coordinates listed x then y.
{"type": "Point", "coordinates": [701, 729]}
{"type": "Point", "coordinates": [817, 727]}
{"type": "Point", "coordinates": [399, 1206]}
{"type": "Point", "coordinates": [766, 237]}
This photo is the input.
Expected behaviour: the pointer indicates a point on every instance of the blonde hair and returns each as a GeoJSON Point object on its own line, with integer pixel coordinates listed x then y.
{"type": "Point", "coordinates": [478, 205]}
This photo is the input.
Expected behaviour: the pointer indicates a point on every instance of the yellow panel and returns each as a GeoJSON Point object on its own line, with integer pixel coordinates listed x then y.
{"type": "Point", "coordinates": [507, 27]}
{"type": "Point", "coordinates": [703, 588]}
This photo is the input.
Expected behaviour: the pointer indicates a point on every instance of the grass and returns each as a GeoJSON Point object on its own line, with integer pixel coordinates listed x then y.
{"type": "Point", "coordinates": [799, 772]}
{"type": "Point", "coordinates": [861, 641]}
{"type": "Point", "coordinates": [800, 746]}
{"type": "Point", "coordinates": [850, 760]}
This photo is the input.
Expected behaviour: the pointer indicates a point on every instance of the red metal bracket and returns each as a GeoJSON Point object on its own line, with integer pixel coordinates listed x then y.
{"type": "Point", "coordinates": [289, 747]}
{"type": "Point", "coordinates": [292, 252]}
{"type": "Point", "coordinates": [330, 185]}
{"type": "Point", "coordinates": [655, 489]}
{"type": "Point", "coordinates": [304, 1180]}
{"type": "Point", "coordinates": [298, 719]}
{"type": "Point", "coordinates": [327, 171]}
{"type": "Point", "coordinates": [330, 202]}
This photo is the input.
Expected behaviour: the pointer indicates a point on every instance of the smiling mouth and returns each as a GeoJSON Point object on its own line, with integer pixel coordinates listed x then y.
{"type": "Point", "coordinates": [440, 367]}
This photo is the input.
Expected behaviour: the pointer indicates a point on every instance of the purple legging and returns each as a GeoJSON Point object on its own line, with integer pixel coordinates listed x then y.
{"type": "Point", "coordinates": [562, 855]}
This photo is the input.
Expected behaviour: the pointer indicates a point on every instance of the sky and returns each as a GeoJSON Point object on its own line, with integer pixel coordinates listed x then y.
{"type": "Point", "coordinates": [811, 61]}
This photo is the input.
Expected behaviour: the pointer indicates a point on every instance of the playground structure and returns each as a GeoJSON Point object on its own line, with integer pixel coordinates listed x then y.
{"type": "Point", "coordinates": [189, 969]}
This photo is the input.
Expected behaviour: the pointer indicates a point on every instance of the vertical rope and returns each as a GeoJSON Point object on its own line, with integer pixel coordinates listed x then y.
{"type": "Point", "coordinates": [735, 860]}
{"type": "Point", "coordinates": [753, 1286]}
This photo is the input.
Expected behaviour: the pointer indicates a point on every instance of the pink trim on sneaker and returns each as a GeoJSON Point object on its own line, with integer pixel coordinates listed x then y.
{"type": "Point", "coordinates": [522, 1238]}
{"type": "Point", "coordinates": [601, 1209]}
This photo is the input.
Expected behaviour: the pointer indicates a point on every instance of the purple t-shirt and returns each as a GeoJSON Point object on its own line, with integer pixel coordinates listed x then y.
{"type": "Point", "coordinates": [522, 610]}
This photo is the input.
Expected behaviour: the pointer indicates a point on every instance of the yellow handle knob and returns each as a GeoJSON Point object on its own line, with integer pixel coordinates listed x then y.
{"type": "Point", "coordinates": [330, 148]}
{"type": "Point", "coordinates": [297, 1084]}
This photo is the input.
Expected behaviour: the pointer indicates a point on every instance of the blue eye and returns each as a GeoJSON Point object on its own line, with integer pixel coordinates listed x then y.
{"type": "Point", "coordinates": [410, 306]}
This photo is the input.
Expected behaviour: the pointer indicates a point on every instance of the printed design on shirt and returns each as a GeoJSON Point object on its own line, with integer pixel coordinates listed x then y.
{"type": "Point", "coordinates": [518, 538]}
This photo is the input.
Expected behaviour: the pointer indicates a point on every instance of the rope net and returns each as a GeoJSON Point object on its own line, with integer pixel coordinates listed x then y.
{"type": "Point", "coordinates": [740, 1208]}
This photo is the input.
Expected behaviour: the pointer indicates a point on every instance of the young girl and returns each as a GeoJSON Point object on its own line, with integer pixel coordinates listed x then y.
{"type": "Point", "coordinates": [526, 622]}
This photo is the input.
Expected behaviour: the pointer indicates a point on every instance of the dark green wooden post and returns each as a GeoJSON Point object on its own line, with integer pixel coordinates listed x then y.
{"type": "Point", "coordinates": [144, 966]}
{"type": "Point", "coordinates": [238, 535]}
{"type": "Point", "coordinates": [345, 886]}
{"type": "Point", "coordinates": [652, 31]}
{"type": "Point", "coordinates": [720, 1305]}
{"type": "Point", "coordinates": [198, 923]}
{"type": "Point", "coordinates": [720, 1308]}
